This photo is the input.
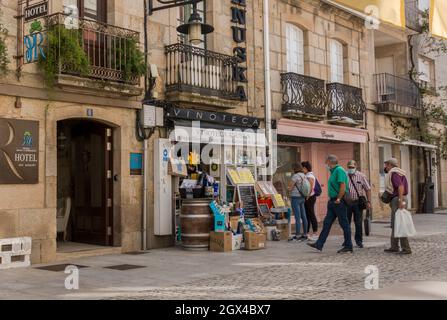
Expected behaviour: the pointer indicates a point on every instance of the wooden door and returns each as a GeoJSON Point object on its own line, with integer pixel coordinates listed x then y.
{"type": "Point", "coordinates": [344, 152]}
{"type": "Point", "coordinates": [91, 174]}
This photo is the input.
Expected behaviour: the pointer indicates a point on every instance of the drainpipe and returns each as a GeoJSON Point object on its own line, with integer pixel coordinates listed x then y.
{"type": "Point", "coordinates": [268, 92]}
{"type": "Point", "coordinates": [145, 177]}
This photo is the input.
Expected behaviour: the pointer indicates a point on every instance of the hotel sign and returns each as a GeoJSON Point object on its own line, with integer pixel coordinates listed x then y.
{"type": "Point", "coordinates": [36, 11]}
{"type": "Point", "coordinates": [19, 151]}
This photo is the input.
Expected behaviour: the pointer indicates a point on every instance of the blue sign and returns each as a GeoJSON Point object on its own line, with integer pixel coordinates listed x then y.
{"type": "Point", "coordinates": [136, 164]}
{"type": "Point", "coordinates": [34, 47]}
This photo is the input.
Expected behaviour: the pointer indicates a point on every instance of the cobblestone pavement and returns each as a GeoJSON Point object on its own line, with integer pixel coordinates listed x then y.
{"type": "Point", "coordinates": [325, 277]}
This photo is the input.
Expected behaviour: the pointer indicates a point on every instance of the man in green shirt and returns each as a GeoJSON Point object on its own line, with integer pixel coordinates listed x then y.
{"type": "Point", "coordinates": [338, 185]}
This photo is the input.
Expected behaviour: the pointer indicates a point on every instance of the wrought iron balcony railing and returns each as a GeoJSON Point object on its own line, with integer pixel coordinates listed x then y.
{"type": "Point", "coordinates": [110, 50]}
{"type": "Point", "coordinates": [303, 94]}
{"type": "Point", "coordinates": [196, 70]}
{"type": "Point", "coordinates": [345, 102]}
{"type": "Point", "coordinates": [396, 90]}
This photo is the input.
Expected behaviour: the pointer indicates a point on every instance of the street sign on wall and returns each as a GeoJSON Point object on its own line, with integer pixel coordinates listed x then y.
{"type": "Point", "coordinates": [19, 151]}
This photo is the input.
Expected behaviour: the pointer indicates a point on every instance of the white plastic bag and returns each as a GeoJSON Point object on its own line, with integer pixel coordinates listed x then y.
{"type": "Point", "coordinates": [403, 224]}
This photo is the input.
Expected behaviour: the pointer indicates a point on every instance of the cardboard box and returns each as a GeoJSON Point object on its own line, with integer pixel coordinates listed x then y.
{"type": "Point", "coordinates": [255, 241]}
{"type": "Point", "coordinates": [237, 242]}
{"type": "Point", "coordinates": [221, 241]}
{"type": "Point", "coordinates": [269, 232]}
{"type": "Point", "coordinates": [234, 221]}
{"type": "Point", "coordinates": [283, 226]}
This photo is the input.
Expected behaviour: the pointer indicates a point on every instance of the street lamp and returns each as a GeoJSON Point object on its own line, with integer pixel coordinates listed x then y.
{"type": "Point", "coordinates": [195, 28]}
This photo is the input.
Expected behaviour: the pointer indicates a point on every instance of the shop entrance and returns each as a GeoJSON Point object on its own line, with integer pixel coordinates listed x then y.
{"type": "Point", "coordinates": [84, 182]}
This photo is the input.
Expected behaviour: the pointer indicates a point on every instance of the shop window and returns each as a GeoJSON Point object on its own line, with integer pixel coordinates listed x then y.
{"type": "Point", "coordinates": [286, 158]}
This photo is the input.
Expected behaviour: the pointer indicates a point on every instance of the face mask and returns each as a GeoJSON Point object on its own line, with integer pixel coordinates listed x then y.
{"type": "Point", "coordinates": [328, 168]}
{"type": "Point", "coordinates": [352, 171]}
{"type": "Point", "coordinates": [386, 170]}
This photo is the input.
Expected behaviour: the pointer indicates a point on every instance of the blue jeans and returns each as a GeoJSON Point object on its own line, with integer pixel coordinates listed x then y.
{"type": "Point", "coordinates": [300, 215]}
{"type": "Point", "coordinates": [335, 211]}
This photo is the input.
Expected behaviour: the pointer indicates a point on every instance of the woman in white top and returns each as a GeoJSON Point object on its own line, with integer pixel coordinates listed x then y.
{"type": "Point", "coordinates": [309, 204]}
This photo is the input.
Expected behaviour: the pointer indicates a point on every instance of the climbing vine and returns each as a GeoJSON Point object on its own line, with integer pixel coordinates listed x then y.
{"type": "Point", "coordinates": [64, 48]}
{"type": "Point", "coordinates": [3, 49]}
{"type": "Point", "coordinates": [431, 125]}
{"type": "Point", "coordinates": [65, 51]}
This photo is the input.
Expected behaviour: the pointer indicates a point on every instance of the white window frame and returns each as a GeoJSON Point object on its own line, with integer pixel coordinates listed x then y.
{"type": "Point", "coordinates": [294, 49]}
{"type": "Point", "coordinates": [337, 63]}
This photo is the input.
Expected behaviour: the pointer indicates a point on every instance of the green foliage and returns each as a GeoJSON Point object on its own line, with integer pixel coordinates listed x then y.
{"type": "Point", "coordinates": [3, 50]}
{"type": "Point", "coordinates": [64, 49]}
{"type": "Point", "coordinates": [131, 59]}
{"type": "Point", "coordinates": [65, 53]}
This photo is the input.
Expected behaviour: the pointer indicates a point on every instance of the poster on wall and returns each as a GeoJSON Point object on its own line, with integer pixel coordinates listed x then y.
{"type": "Point", "coordinates": [19, 151]}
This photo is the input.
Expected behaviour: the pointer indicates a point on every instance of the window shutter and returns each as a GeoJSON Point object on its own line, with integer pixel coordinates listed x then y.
{"type": "Point", "coordinates": [336, 61]}
{"type": "Point", "coordinates": [295, 49]}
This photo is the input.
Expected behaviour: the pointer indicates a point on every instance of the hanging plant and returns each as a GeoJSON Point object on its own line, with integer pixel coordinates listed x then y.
{"type": "Point", "coordinates": [131, 59]}
{"type": "Point", "coordinates": [64, 52]}
{"type": "Point", "coordinates": [3, 50]}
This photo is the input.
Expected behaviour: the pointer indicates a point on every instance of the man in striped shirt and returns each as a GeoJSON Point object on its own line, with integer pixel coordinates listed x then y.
{"type": "Point", "coordinates": [358, 187]}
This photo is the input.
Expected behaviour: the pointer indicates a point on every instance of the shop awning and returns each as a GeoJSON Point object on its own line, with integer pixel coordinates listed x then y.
{"type": "Point", "coordinates": [409, 142]}
{"type": "Point", "coordinates": [320, 131]}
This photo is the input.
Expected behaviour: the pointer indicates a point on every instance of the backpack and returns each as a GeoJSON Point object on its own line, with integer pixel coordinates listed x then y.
{"type": "Point", "coordinates": [317, 190]}
{"type": "Point", "coordinates": [304, 186]}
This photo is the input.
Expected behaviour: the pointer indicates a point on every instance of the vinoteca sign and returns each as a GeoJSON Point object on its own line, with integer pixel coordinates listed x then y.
{"type": "Point", "coordinates": [19, 151]}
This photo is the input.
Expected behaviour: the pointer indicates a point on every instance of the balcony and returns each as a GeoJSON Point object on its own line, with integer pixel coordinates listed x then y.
{"type": "Point", "coordinates": [413, 16]}
{"type": "Point", "coordinates": [200, 76]}
{"type": "Point", "coordinates": [397, 96]}
{"type": "Point", "coordinates": [94, 55]}
{"type": "Point", "coordinates": [346, 103]}
{"type": "Point", "coordinates": [303, 96]}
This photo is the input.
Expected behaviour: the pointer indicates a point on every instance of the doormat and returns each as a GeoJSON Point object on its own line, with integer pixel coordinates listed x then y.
{"type": "Point", "coordinates": [60, 267]}
{"type": "Point", "coordinates": [125, 267]}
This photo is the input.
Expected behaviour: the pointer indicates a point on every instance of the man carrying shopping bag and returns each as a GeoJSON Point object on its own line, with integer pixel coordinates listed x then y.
{"type": "Point", "coordinates": [396, 184]}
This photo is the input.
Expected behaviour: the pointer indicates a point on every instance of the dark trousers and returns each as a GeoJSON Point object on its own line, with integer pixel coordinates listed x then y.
{"type": "Point", "coordinates": [404, 243]}
{"type": "Point", "coordinates": [335, 211]}
{"type": "Point", "coordinates": [355, 211]}
{"type": "Point", "coordinates": [310, 212]}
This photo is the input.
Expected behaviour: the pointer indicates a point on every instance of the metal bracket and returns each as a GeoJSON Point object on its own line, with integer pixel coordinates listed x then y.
{"type": "Point", "coordinates": [167, 4]}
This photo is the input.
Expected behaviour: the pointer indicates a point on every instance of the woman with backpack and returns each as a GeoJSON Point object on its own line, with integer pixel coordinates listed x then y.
{"type": "Point", "coordinates": [310, 202]}
{"type": "Point", "coordinates": [299, 189]}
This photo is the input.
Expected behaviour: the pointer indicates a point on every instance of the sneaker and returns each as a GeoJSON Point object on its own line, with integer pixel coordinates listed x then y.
{"type": "Point", "coordinates": [405, 252]}
{"type": "Point", "coordinates": [391, 250]}
{"type": "Point", "coordinates": [360, 246]}
{"type": "Point", "coordinates": [293, 239]}
{"type": "Point", "coordinates": [314, 246]}
{"type": "Point", "coordinates": [302, 238]}
{"type": "Point", "coordinates": [345, 250]}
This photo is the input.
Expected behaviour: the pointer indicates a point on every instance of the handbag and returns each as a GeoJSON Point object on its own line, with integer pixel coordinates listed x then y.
{"type": "Point", "coordinates": [386, 197]}
{"type": "Point", "coordinates": [363, 202]}
{"type": "Point", "coordinates": [346, 198]}
{"type": "Point", "coordinates": [367, 223]}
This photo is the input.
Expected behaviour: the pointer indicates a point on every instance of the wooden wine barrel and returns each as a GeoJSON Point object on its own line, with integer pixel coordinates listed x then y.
{"type": "Point", "coordinates": [196, 222]}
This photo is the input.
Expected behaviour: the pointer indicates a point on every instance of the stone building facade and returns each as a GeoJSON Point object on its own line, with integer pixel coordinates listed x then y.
{"type": "Point", "coordinates": [320, 85]}
{"type": "Point", "coordinates": [325, 69]}
{"type": "Point", "coordinates": [106, 105]}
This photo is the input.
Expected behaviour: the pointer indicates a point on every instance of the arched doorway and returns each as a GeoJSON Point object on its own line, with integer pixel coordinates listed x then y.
{"type": "Point", "coordinates": [85, 182]}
